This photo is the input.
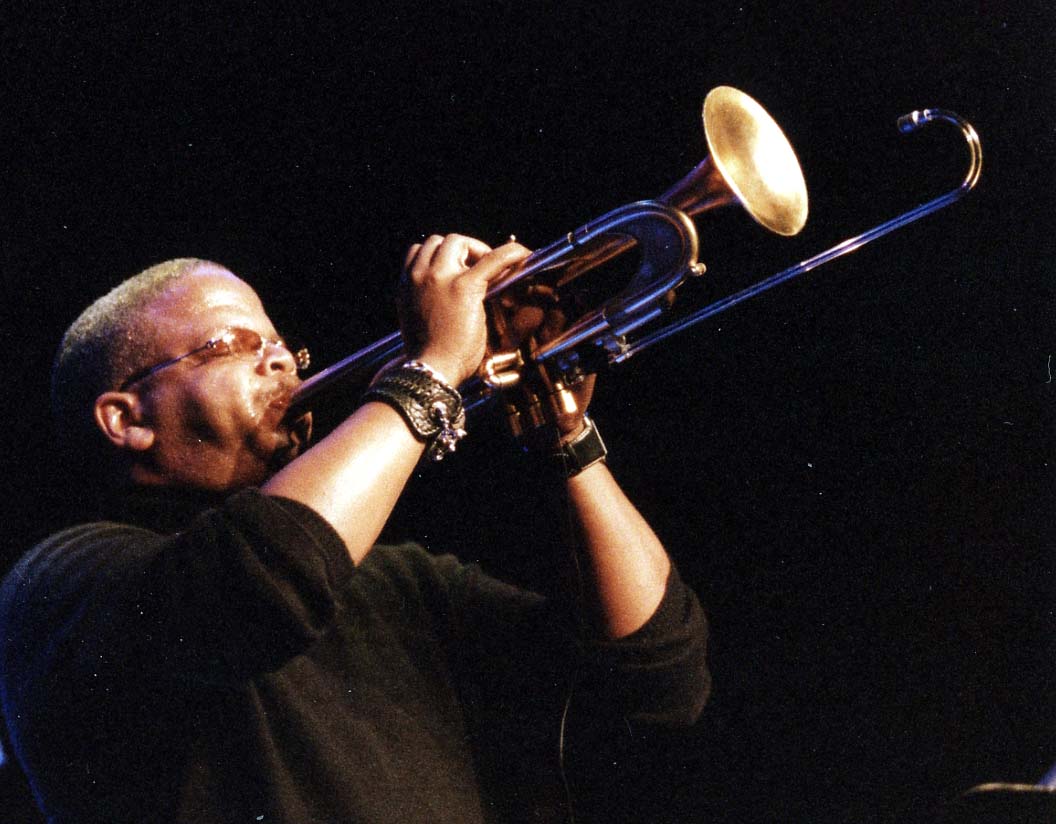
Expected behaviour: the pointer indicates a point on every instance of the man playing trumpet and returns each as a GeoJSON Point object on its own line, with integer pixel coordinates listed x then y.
{"type": "Point", "coordinates": [226, 643]}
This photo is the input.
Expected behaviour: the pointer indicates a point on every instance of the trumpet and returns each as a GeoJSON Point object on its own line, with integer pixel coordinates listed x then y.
{"type": "Point", "coordinates": [750, 163]}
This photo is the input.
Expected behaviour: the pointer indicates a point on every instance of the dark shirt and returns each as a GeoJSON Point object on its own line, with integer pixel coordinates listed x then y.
{"type": "Point", "coordinates": [223, 661]}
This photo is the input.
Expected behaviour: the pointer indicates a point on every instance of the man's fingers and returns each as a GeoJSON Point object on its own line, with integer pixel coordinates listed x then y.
{"type": "Point", "coordinates": [421, 256]}
{"type": "Point", "coordinates": [498, 260]}
{"type": "Point", "coordinates": [457, 253]}
{"type": "Point", "coordinates": [448, 257]}
{"type": "Point", "coordinates": [408, 258]}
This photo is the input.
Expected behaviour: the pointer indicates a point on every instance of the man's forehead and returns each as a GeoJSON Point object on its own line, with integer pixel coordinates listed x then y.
{"type": "Point", "coordinates": [207, 288]}
{"type": "Point", "coordinates": [202, 302]}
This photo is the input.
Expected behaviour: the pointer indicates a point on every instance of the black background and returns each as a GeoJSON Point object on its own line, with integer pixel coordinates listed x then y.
{"type": "Point", "coordinates": [855, 471]}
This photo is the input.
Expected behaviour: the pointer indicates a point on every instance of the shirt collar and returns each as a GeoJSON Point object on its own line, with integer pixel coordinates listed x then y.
{"type": "Point", "coordinates": [162, 509]}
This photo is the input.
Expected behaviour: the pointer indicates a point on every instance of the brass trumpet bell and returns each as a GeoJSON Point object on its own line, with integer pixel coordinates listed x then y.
{"type": "Point", "coordinates": [750, 162]}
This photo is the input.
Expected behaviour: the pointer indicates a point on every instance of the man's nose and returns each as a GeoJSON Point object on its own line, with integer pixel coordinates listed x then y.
{"type": "Point", "coordinates": [277, 358]}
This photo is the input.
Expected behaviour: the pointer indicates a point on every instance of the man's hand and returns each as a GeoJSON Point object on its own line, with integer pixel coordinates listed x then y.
{"type": "Point", "coordinates": [535, 314]}
{"type": "Point", "coordinates": [441, 300]}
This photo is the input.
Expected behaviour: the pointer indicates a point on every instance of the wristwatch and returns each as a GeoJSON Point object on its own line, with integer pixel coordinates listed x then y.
{"type": "Point", "coordinates": [585, 449]}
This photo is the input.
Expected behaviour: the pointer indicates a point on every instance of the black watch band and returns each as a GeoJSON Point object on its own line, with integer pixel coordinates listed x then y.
{"type": "Point", "coordinates": [586, 449]}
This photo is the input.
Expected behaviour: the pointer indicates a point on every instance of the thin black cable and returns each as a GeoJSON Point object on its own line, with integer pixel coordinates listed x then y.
{"type": "Point", "coordinates": [576, 587]}
{"type": "Point", "coordinates": [569, 803]}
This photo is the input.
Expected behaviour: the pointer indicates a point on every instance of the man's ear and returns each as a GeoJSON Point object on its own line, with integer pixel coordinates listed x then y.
{"type": "Point", "coordinates": [119, 416]}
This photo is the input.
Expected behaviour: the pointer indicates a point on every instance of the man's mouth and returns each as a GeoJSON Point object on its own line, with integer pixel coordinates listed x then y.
{"type": "Point", "coordinates": [297, 426]}
{"type": "Point", "coordinates": [301, 430]}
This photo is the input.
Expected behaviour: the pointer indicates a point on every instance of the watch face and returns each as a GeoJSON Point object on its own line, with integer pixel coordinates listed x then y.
{"type": "Point", "coordinates": [587, 449]}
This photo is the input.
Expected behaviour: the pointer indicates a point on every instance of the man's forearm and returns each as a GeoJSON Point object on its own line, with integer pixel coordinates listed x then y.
{"type": "Point", "coordinates": [628, 564]}
{"type": "Point", "coordinates": [354, 476]}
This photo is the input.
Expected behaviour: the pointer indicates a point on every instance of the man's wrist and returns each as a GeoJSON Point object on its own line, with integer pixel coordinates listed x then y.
{"type": "Point", "coordinates": [581, 450]}
{"type": "Point", "coordinates": [430, 406]}
{"type": "Point", "coordinates": [445, 370]}
{"type": "Point", "coordinates": [576, 432]}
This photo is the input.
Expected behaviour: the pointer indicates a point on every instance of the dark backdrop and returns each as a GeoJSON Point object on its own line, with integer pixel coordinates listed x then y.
{"type": "Point", "coordinates": [854, 470]}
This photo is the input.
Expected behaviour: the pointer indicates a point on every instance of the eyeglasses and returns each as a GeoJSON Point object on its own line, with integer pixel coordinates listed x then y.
{"type": "Point", "coordinates": [234, 341]}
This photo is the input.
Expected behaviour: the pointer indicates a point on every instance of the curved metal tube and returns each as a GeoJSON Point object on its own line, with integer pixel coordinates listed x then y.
{"type": "Point", "coordinates": [907, 123]}
{"type": "Point", "coordinates": [750, 163]}
{"type": "Point", "coordinates": [668, 240]}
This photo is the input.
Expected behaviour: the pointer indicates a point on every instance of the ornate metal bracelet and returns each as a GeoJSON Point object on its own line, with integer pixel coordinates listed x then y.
{"type": "Point", "coordinates": [432, 409]}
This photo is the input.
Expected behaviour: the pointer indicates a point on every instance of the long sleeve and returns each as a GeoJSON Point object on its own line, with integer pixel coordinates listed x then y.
{"type": "Point", "coordinates": [657, 675]}
{"type": "Point", "coordinates": [241, 589]}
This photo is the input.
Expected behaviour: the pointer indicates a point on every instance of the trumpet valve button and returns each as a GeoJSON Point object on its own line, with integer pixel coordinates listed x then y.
{"type": "Point", "coordinates": [566, 401]}
{"type": "Point", "coordinates": [500, 371]}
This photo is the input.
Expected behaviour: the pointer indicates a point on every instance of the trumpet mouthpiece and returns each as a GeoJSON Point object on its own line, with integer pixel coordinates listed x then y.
{"type": "Point", "coordinates": [914, 120]}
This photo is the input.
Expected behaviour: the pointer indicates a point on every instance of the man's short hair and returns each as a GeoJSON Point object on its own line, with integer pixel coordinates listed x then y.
{"type": "Point", "coordinates": [110, 340]}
